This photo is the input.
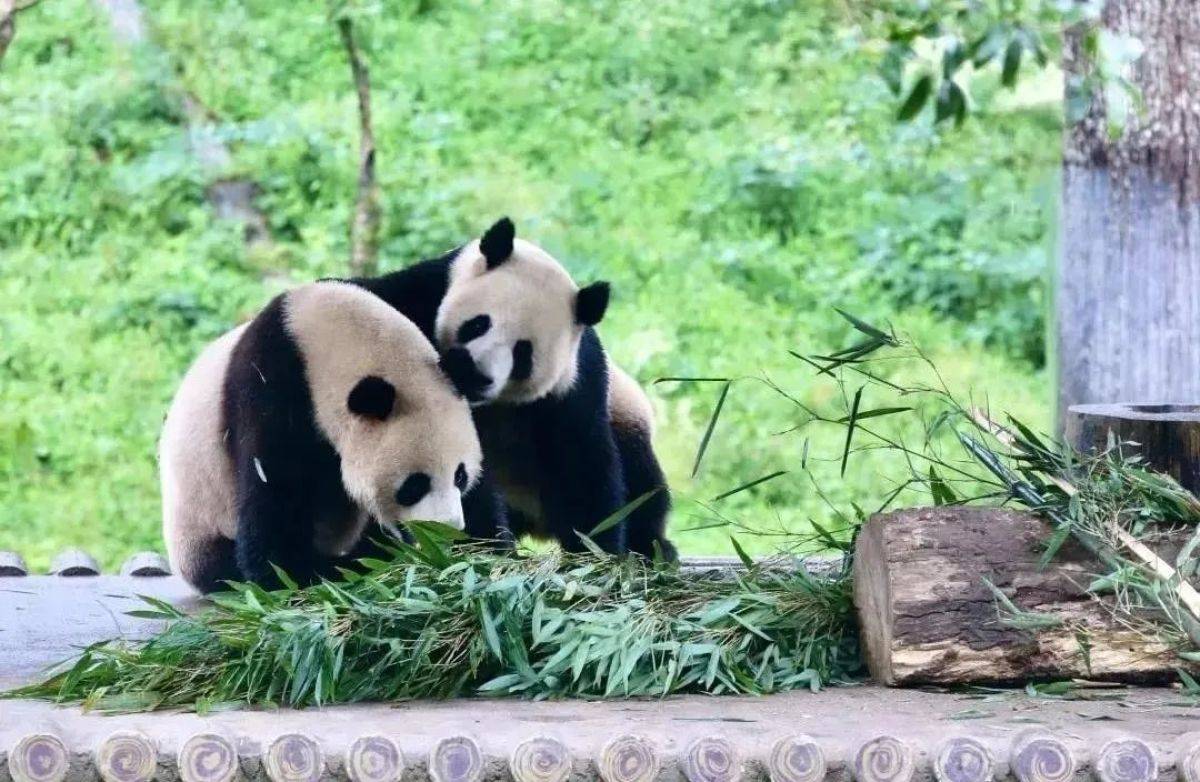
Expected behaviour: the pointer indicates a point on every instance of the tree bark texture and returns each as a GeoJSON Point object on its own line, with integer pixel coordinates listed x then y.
{"type": "Point", "coordinates": [364, 225]}
{"type": "Point", "coordinates": [1166, 436]}
{"type": "Point", "coordinates": [1128, 287]}
{"type": "Point", "coordinates": [927, 616]}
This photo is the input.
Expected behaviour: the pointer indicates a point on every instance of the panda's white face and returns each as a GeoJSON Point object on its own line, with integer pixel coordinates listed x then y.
{"type": "Point", "coordinates": [407, 443]}
{"type": "Point", "coordinates": [411, 460]}
{"type": "Point", "coordinates": [510, 324]}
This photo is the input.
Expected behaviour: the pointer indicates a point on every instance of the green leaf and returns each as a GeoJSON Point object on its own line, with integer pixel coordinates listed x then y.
{"type": "Point", "coordinates": [852, 422]}
{"type": "Point", "coordinates": [866, 328]}
{"type": "Point", "coordinates": [749, 485]}
{"type": "Point", "coordinates": [951, 103]}
{"type": "Point", "coordinates": [712, 423]}
{"type": "Point", "coordinates": [1012, 62]}
{"type": "Point", "coordinates": [942, 494]}
{"type": "Point", "coordinates": [747, 561]}
{"type": "Point", "coordinates": [621, 514]}
{"type": "Point", "coordinates": [876, 413]}
{"type": "Point", "coordinates": [916, 99]}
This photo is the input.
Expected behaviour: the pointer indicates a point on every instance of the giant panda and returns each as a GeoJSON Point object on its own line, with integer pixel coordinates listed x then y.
{"type": "Point", "coordinates": [292, 433]}
{"type": "Point", "coordinates": [566, 434]}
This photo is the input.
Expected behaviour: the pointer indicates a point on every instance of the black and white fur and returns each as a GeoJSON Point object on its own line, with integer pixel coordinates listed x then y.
{"type": "Point", "coordinates": [566, 434]}
{"type": "Point", "coordinates": [290, 434]}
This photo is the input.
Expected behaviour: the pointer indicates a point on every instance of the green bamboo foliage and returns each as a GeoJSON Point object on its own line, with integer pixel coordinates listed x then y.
{"type": "Point", "coordinates": [444, 620]}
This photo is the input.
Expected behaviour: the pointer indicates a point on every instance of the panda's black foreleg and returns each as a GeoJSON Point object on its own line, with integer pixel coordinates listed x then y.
{"type": "Point", "coordinates": [645, 527]}
{"type": "Point", "coordinates": [274, 528]}
{"type": "Point", "coordinates": [581, 480]}
{"type": "Point", "coordinates": [486, 515]}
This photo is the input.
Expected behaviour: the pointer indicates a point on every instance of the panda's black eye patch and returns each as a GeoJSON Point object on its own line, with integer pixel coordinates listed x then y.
{"type": "Point", "coordinates": [460, 477]}
{"type": "Point", "coordinates": [474, 328]}
{"type": "Point", "coordinates": [414, 488]}
{"type": "Point", "coordinates": [522, 360]}
{"type": "Point", "coordinates": [372, 397]}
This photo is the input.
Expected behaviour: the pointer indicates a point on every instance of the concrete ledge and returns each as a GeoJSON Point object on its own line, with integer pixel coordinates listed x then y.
{"type": "Point", "coordinates": [865, 734]}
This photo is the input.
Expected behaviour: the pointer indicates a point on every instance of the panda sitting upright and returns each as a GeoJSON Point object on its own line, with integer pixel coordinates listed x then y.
{"type": "Point", "coordinates": [292, 433]}
{"type": "Point", "coordinates": [566, 434]}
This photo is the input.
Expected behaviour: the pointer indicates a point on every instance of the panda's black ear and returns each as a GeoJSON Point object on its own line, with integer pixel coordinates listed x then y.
{"type": "Point", "coordinates": [372, 397]}
{"type": "Point", "coordinates": [591, 303]}
{"type": "Point", "coordinates": [497, 242]}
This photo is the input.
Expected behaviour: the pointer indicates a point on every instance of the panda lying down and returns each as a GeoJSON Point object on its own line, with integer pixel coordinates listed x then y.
{"type": "Point", "coordinates": [291, 433]}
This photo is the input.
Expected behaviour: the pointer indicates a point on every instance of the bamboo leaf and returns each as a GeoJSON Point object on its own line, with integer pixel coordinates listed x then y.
{"type": "Point", "coordinates": [749, 485]}
{"type": "Point", "coordinates": [712, 423]}
{"type": "Point", "coordinates": [852, 421]}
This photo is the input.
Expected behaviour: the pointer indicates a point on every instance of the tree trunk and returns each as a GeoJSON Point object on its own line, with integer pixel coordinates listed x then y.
{"type": "Point", "coordinates": [230, 199]}
{"type": "Point", "coordinates": [1166, 436]}
{"type": "Point", "coordinates": [927, 615]}
{"type": "Point", "coordinates": [8, 24]}
{"type": "Point", "coordinates": [1128, 292]}
{"type": "Point", "coordinates": [364, 226]}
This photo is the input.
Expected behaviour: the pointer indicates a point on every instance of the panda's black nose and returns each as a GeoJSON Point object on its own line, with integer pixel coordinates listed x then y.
{"type": "Point", "coordinates": [466, 377]}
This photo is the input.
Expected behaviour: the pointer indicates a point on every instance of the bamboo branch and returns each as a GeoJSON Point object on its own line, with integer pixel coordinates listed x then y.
{"type": "Point", "coordinates": [1164, 572]}
{"type": "Point", "coordinates": [364, 228]}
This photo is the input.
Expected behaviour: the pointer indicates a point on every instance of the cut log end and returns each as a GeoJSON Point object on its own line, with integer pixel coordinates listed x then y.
{"type": "Point", "coordinates": [796, 759]}
{"type": "Point", "coordinates": [208, 757]}
{"type": "Point", "coordinates": [629, 759]}
{"type": "Point", "coordinates": [127, 756]}
{"type": "Point", "coordinates": [294, 757]}
{"type": "Point", "coordinates": [374, 759]}
{"type": "Point", "coordinates": [540, 759]}
{"type": "Point", "coordinates": [456, 759]}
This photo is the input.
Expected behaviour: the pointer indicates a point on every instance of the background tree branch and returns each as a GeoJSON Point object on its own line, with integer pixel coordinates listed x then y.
{"type": "Point", "coordinates": [364, 227]}
{"type": "Point", "coordinates": [8, 22]}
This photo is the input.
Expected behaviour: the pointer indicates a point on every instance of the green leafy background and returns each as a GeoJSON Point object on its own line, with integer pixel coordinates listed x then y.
{"type": "Point", "coordinates": [735, 168]}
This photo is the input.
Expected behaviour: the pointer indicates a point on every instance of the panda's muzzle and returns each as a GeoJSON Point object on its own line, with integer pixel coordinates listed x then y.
{"type": "Point", "coordinates": [458, 365]}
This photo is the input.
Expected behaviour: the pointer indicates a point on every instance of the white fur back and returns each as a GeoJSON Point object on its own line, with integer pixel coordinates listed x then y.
{"type": "Point", "coordinates": [628, 405]}
{"type": "Point", "coordinates": [197, 476]}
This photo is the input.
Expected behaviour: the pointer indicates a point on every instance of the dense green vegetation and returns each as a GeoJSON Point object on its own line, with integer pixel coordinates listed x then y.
{"type": "Point", "coordinates": [733, 167]}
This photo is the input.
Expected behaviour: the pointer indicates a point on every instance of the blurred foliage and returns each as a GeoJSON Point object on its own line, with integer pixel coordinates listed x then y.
{"type": "Point", "coordinates": [734, 168]}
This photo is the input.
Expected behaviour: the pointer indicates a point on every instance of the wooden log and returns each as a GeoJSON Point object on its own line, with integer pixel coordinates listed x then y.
{"type": "Point", "coordinates": [127, 756]}
{"type": "Point", "coordinates": [294, 757]}
{"type": "Point", "coordinates": [12, 564]}
{"type": "Point", "coordinates": [884, 759]}
{"type": "Point", "coordinates": [1188, 763]}
{"type": "Point", "coordinates": [796, 759]}
{"type": "Point", "coordinates": [712, 759]}
{"type": "Point", "coordinates": [374, 759]}
{"type": "Point", "coordinates": [629, 758]}
{"type": "Point", "coordinates": [1127, 760]}
{"type": "Point", "coordinates": [540, 759]}
{"type": "Point", "coordinates": [456, 759]}
{"type": "Point", "coordinates": [927, 614]}
{"type": "Point", "coordinates": [146, 564]}
{"type": "Point", "coordinates": [208, 757]}
{"type": "Point", "coordinates": [39, 757]}
{"type": "Point", "coordinates": [74, 562]}
{"type": "Point", "coordinates": [964, 759]}
{"type": "Point", "coordinates": [1037, 757]}
{"type": "Point", "coordinates": [1167, 436]}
